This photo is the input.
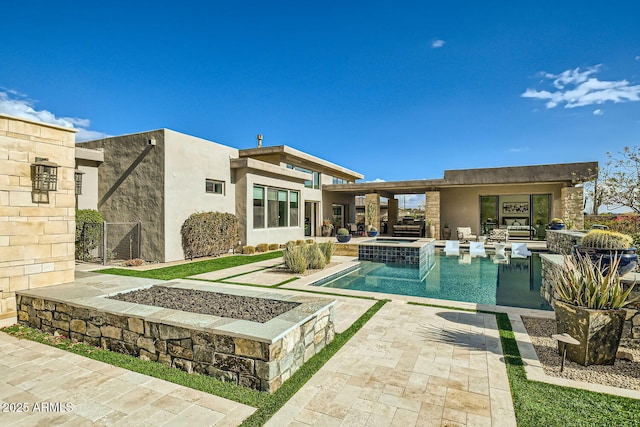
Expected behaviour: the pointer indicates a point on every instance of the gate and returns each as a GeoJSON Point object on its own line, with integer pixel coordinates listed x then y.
{"type": "Point", "coordinates": [108, 241]}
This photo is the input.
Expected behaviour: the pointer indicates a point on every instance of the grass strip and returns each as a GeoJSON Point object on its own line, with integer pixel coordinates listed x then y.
{"type": "Point", "coordinates": [266, 404]}
{"type": "Point", "coordinates": [190, 269]}
{"type": "Point", "coordinates": [306, 371]}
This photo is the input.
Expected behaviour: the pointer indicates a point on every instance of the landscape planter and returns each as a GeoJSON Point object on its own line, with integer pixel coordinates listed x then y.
{"type": "Point", "coordinates": [557, 226]}
{"type": "Point", "coordinates": [628, 257]}
{"type": "Point", "coordinates": [372, 233]}
{"type": "Point", "coordinates": [598, 332]}
{"type": "Point", "coordinates": [343, 238]}
{"type": "Point", "coordinates": [446, 233]}
{"type": "Point", "coordinates": [431, 230]}
{"type": "Point", "coordinates": [326, 231]}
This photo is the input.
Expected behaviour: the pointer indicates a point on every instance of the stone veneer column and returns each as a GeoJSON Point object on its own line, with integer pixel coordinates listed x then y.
{"type": "Point", "coordinates": [36, 239]}
{"type": "Point", "coordinates": [372, 199]}
{"type": "Point", "coordinates": [572, 205]}
{"type": "Point", "coordinates": [432, 209]}
{"type": "Point", "coordinates": [392, 209]}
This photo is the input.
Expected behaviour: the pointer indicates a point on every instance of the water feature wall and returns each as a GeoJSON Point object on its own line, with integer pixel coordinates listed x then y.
{"type": "Point", "coordinates": [398, 251]}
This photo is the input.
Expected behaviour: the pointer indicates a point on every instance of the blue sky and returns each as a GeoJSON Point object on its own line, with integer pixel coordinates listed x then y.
{"type": "Point", "coordinates": [393, 90]}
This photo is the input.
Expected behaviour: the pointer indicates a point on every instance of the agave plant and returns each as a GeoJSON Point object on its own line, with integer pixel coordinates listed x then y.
{"type": "Point", "coordinates": [584, 283]}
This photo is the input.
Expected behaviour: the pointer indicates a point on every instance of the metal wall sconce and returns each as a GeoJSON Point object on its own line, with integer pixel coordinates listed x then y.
{"type": "Point", "coordinates": [44, 176]}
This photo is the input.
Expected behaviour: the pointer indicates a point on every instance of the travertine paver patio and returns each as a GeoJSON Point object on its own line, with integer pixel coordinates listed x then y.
{"type": "Point", "coordinates": [99, 393]}
{"type": "Point", "coordinates": [410, 366]}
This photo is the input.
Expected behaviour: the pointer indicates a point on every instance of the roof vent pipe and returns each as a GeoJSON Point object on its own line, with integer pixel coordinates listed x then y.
{"type": "Point", "coordinates": [259, 140]}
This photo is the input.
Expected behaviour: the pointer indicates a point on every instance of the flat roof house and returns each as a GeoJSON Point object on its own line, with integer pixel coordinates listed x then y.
{"type": "Point", "coordinates": [279, 193]}
{"type": "Point", "coordinates": [161, 177]}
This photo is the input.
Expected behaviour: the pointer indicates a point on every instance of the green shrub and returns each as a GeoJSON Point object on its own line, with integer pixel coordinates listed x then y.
{"type": "Point", "coordinates": [262, 247]}
{"type": "Point", "coordinates": [327, 250]}
{"type": "Point", "coordinates": [274, 246]}
{"type": "Point", "coordinates": [294, 258]}
{"type": "Point", "coordinates": [342, 232]}
{"type": "Point", "coordinates": [209, 234]}
{"type": "Point", "coordinates": [605, 239]}
{"type": "Point", "coordinates": [88, 231]}
{"type": "Point", "coordinates": [315, 258]}
{"type": "Point", "coordinates": [310, 241]}
{"type": "Point", "coordinates": [249, 250]}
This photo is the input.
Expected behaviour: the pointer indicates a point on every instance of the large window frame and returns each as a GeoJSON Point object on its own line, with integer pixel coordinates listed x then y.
{"type": "Point", "coordinates": [275, 207]}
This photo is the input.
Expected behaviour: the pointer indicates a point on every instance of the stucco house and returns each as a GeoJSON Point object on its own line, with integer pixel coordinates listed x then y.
{"type": "Point", "coordinates": [279, 193]}
{"type": "Point", "coordinates": [161, 177]}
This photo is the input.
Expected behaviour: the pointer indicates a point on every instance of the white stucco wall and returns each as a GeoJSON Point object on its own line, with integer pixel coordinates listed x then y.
{"type": "Point", "coordinates": [278, 234]}
{"type": "Point", "coordinates": [89, 197]}
{"type": "Point", "coordinates": [189, 161]}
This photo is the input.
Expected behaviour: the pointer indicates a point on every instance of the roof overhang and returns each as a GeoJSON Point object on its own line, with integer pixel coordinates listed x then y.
{"type": "Point", "coordinates": [297, 157]}
{"type": "Point", "coordinates": [567, 174]}
{"type": "Point", "coordinates": [90, 154]}
{"type": "Point", "coordinates": [268, 168]}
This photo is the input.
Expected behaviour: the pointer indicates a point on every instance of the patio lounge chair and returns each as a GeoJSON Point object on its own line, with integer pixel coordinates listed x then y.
{"type": "Point", "coordinates": [519, 250]}
{"type": "Point", "coordinates": [477, 249]}
{"type": "Point", "coordinates": [465, 234]}
{"type": "Point", "coordinates": [452, 247]}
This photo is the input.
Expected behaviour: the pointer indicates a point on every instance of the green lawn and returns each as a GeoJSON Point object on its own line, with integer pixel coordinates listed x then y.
{"type": "Point", "coordinates": [192, 268]}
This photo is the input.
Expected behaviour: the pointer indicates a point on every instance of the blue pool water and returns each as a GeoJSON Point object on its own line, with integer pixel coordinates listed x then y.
{"type": "Point", "coordinates": [476, 280]}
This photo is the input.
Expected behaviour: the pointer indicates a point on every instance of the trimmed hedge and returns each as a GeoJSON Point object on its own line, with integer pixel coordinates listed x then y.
{"type": "Point", "coordinates": [89, 240]}
{"type": "Point", "coordinates": [209, 234]}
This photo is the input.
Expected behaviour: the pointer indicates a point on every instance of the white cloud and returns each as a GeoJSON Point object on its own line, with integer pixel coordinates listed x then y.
{"type": "Point", "coordinates": [377, 180]}
{"type": "Point", "coordinates": [598, 112]}
{"type": "Point", "coordinates": [16, 104]}
{"type": "Point", "coordinates": [518, 149]}
{"type": "Point", "coordinates": [576, 88]}
{"type": "Point", "coordinates": [437, 44]}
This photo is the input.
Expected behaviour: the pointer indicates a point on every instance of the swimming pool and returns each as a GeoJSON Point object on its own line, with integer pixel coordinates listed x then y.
{"type": "Point", "coordinates": [476, 280]}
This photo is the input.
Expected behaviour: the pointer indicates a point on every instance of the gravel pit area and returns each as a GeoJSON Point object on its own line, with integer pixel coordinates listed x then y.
{"type": "Point", "coordinates": [623, 373]}
{"type": "Point", "coordinates": [212, 303]}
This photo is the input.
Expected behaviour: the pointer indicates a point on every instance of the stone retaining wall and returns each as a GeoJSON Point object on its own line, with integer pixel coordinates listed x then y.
{"type": "Point", "coordinates": [563, 241]}
{"type": "Point", "coordinates": [631, 331]}
{"type": "Point", "coordinates": [247, 362]}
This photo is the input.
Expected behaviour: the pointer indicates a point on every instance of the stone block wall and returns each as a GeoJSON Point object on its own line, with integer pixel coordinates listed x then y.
{"type": "Point", "coordinates": [432, 210]}
{"type": "Point", "coordinates": [563, 241]}
{"type": "Point", "coordinates": [247, 362]}
{"type": "Point", "coordinates": [36, 238]}
{"type": "Point", "coordinates": [573, 206]}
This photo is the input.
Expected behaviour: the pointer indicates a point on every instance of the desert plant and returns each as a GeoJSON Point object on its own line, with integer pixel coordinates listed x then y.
{"type": "Point", "coordinates": [274, 246]}
{"type": "Point", "coordinates": [295, 259]}
{"type": "Point", "coordinates": [133, 262]}
{"type": "Point", "coordinates": [327, 250]}
{"type": "Point", "coordinates": [583, 283]}
{"type": "Point", "coordinates": [605, 239]}
{"type": "Point", "coordinates": [249, 250]}
{"type": "Point", "coordinates": [557, 221]}
{"type": "Point", "coordinates": [299, 242]}
{"type": "Point", "coordinates": [88, 229]}
{"type": "Point", "coordinates": [262, 247]}
{"type": "Point", "coordinates": [342, 232]}
{"type": "Point", "coordinates": [373, 229]}
{"type": "Point", "coordinates": [309, 241]}
{"type": "Point", "coordinates": [315, 258]}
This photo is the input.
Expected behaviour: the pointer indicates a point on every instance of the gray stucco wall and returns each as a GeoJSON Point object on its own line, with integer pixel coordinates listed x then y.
{"type": "Point", "coordinates": [131, 186]}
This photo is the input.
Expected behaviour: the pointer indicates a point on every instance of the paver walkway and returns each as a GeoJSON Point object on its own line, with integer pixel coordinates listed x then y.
{"type": "Point", "coordinates": [97, 393]}
{"type": "Point", "coordinates": [410, 366]}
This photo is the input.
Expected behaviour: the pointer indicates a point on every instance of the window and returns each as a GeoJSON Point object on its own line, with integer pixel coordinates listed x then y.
{"type": "Point", "coordinates": [313, 182]}
{"type": "Point", "coordinates": [215, 187]}
{"type": "Point", "coordinates": [339, 181]}
{"type": "Point", "coordinates": [293, 209]}
{"type": "Point", "coordinates": [258, 207]}
{"type": "Point", "coordinates": [280, 208]}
